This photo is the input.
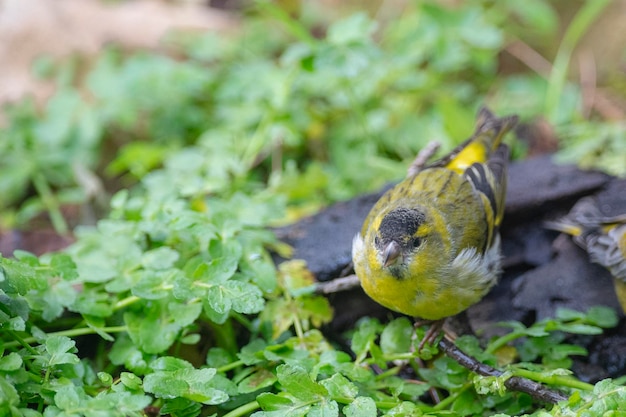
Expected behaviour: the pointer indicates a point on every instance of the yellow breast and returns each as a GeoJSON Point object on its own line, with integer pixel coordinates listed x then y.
{"type": "Point", "coordinates": [429, 285]}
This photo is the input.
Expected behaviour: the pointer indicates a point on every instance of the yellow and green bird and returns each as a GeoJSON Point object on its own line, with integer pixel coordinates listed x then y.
{"type": "Point", "coordinates": [430, 247]}
{"type": "Point", "coordinates": [603, 237]}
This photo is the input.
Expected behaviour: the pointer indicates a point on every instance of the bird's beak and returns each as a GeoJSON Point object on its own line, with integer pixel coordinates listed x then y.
{"type": "Point", "coordinates": [391, 253]}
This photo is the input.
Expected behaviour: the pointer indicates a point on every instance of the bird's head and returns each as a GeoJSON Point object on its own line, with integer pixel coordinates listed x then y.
{"type": "Point", "coordinates": [399, 237]}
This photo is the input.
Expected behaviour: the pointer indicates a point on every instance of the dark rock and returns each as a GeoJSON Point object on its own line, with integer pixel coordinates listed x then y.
{"type": "Point", "coordinates": [37, 241]}
{"type": "Point", "coordinates": [324, 240]}
{"type": "Point", "coordinates": [495, 307]}
{"type": "Point", "coordinates": [569, 281]}
{"type": "Point", "coordinates": [538, 186]}
{"type": "Point", "coordinates": [610, 355]}
{"type": "Point", "coordinates": [526, 244]}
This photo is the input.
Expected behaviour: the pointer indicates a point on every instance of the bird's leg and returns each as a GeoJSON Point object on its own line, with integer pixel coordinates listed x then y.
{"type": "Point", "coordinates": [431, 334]}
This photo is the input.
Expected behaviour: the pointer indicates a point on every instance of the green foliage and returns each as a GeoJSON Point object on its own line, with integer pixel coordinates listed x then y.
{"type": "Point", "coordinates": [292, 106]}
{"type": "Point", "coordinates": [358, 94]}
{"type": "Point", "coordinates": [288, 375]}
{"type": "Point", "coordinates": [595, 145]}
{"type": "Point", "coordinates": [172, 301]}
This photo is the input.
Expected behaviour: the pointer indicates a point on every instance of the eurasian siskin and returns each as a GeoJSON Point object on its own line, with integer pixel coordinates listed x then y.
{"type": "Point", "coordinates": [430, 247]}
{"type": "Point", "coordinates": [602, 236]}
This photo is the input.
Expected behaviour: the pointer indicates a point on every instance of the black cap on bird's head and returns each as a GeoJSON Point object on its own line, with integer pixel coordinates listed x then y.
{"type": "Point", "coordinates": [396, 234]}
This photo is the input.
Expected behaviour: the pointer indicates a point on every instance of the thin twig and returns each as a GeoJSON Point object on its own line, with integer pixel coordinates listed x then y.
{"type": "Point", "coordinates": [588, 80]}
{"type": "Point", "coordinates": [535, 61]}
{"type": "Point", "coordinates": [337, 285]}
{"type": "Point", "coordinates": [604, 104]}
{"type": "Point", "coordinates": [515, 383]}
{"type": "Point", "coordinates": [422, 158]}
{"type": "Point", "coordinates": [531, 58]}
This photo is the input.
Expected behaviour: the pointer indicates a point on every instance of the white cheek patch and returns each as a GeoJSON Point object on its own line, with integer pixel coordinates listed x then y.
{"type": "Point", "coordinates": [359, 256]}
{"type": "Point", "coordinates": [357, 246]}
{"type": "Point", "coordinates": [473, 270]}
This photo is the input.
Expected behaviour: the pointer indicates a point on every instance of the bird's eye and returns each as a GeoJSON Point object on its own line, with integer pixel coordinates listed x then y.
{"type": "Point", "coordinates": [376, 241]}
{"type": "Point", "coordinates": [416, 242]}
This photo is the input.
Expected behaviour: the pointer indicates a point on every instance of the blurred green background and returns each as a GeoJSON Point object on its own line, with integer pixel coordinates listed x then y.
{"type": "Point", "coordinates": [315, 101]}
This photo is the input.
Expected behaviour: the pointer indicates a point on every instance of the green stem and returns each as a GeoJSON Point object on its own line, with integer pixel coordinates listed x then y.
{"type": "Point", "coordinates": [51, 203]}
{"type": "Point", "coordinates": [579, 25]}
{"type": "Point", "coordinates": [399, 357]}
{"type": "Point", "coordinates": [298, 326]}
{"type": "Point", "coordinates": [69, 333]}
{"type": "Point", "coordinates": [293, 26]}
{"type": "Point", "coordinates": [446, 402]}
{"type": "Point", "coordinates": [20, 341]}
{"type": "Point", "coordinates": [243, 410]}
{"type": "Point", "coordinates": [225, 336]}
{"type": "Point", "coordinates": [294, 315]}
{"type": "Point", "coordinates": [257, 140]}
{"type": "Point", "coordinates": [386, 405]}
{"type": "Point", "coordinates": [344, 400]}
{"type": "Point", "coordinates": [565, 381]}
{"type": "Point", "coordinates": [502, 340]}
{"type": "Point", "coordinates": [125, 302]}
{"type": "Point", "coordinates": [243, 320]}
{"type": "Point", "coordinates": [230, 366]}
{"type": "Point", "coordinates": [389, 372]}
